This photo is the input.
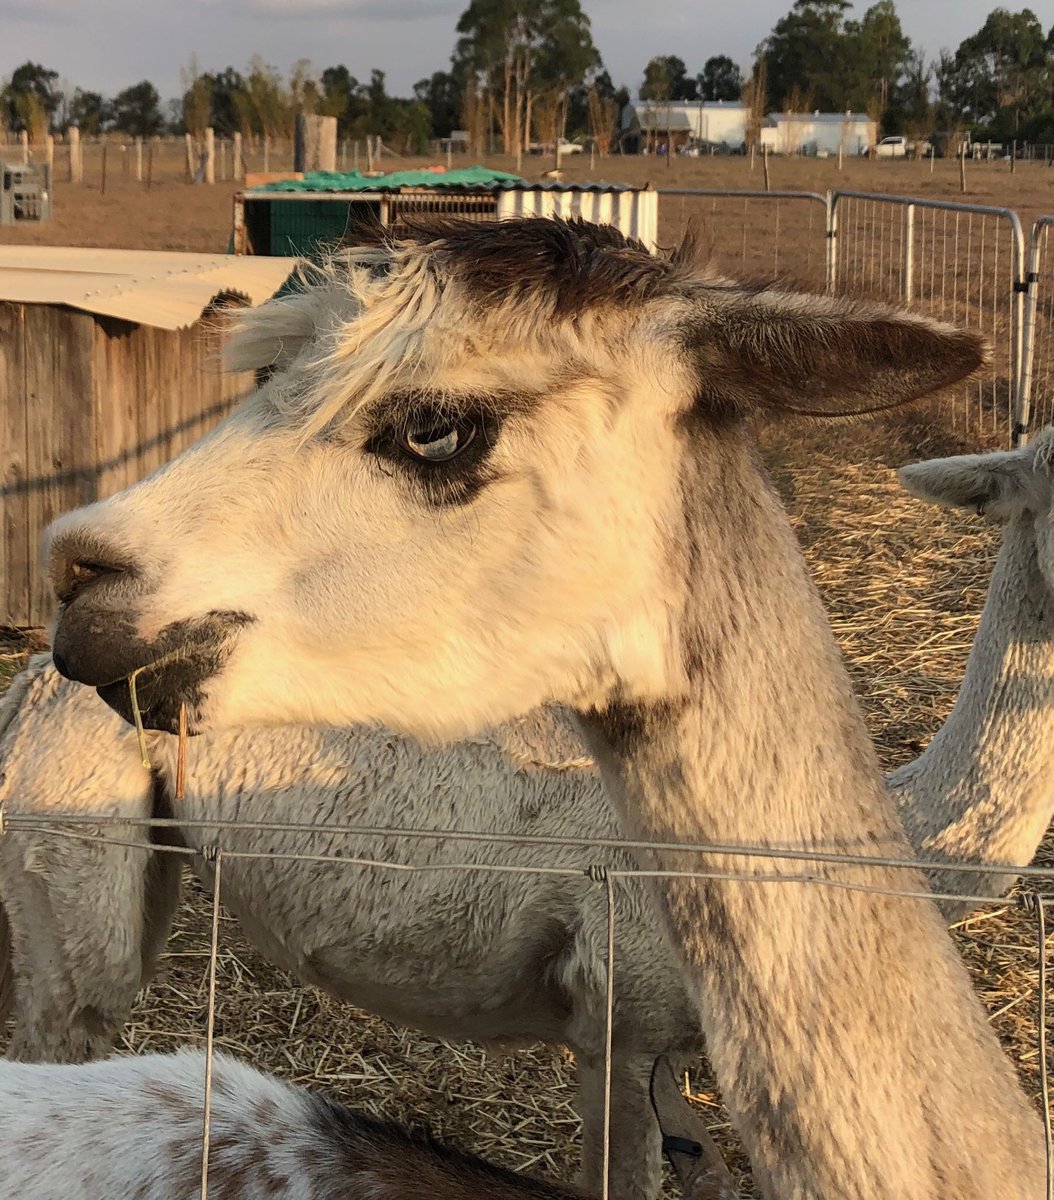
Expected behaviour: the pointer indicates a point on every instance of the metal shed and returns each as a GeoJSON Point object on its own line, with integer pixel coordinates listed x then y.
{"type": "Point", "coordinates": [306, 216]}
{"type": "Point", "coordinates": [106, 371]}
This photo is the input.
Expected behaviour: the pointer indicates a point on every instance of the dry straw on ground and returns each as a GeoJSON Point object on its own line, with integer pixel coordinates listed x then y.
{"type": "Point", "coordinates": [904, 585]}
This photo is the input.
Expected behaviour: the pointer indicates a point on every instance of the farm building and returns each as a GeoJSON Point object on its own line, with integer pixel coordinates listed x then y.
{"type": "Point", "coordinates": [818, 133]}
{"type": "Point", "coordinates": [107, 370]}
{"type": "Point", "coordinates": [308, 214]}
{"type": "Point", "coordinates": [649, 124]}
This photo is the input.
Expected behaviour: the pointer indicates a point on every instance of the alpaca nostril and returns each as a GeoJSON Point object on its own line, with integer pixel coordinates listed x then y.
{"type": "Point", "coordinates": [80, 575]}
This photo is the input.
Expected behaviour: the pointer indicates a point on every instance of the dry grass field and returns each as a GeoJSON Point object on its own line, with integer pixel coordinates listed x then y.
{"type": "Point", "coordinates": [904, 587]}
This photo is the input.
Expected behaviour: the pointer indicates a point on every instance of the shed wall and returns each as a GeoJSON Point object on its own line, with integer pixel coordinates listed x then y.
{"type": "Point", "coordinates": [89, 405]}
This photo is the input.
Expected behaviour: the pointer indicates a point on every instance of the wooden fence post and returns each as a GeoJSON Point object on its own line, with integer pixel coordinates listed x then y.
{"type": "Point", "coordinates": [23, 137]}
{"type": "Point", "coordinates": [239, 163]}
{"type": "Point", "coordinates": [315, 143]}
{"type": "Point", "coordinates": [189, 144]}
{"type": "Point", "coordinates": [49, 155]}
{"type": "Point", "coordinates": [76, 160]}
{"type": "Point", "coordinates": [210, 155]}
{"type": "Point", "coordinates": [139, 160]}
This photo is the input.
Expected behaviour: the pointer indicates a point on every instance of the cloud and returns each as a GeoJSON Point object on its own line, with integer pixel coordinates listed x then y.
{"type": "Point", "coordinates": [39, 12]}
{"type": "Point", "coordinates": [340, 10]}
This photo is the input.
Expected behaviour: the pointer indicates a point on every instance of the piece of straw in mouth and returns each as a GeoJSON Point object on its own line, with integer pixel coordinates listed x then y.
{"type": "Point", "coordinates": [181, 754]}
{"type": "Point", "coordinates": [138, 717]}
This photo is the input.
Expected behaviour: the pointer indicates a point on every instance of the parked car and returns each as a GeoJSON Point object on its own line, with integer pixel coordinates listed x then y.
{"type": "Point", "coordinates": [566, 147]}
{"type": "Point", "coordinates": [892, 147]}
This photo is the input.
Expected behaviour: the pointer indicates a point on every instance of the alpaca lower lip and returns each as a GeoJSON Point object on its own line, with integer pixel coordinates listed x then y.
{"type": "Point", "coordinates": [158, 698]}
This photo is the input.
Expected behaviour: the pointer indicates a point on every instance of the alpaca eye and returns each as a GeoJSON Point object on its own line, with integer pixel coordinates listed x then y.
{"type": "Point", "coordinates": [439, 443]}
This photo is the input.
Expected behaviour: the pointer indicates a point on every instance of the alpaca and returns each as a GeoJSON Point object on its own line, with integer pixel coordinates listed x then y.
{"type": "Point", "coordinates": [510, 464]}
{"type": "Point", "coordinates": [132, 1127]}
{"type": "Point", "coordinates": [978, 793]}
{"type": "Point", "coordinates": [991, 760]}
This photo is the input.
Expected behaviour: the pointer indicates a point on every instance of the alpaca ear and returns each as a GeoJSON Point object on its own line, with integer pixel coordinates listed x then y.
{"type": "Point", "coordinates": [784, 353]}
{"type": "Point", "coordinates": [997, 485]}
{"type": "Point", "coordinates": [272, 334]}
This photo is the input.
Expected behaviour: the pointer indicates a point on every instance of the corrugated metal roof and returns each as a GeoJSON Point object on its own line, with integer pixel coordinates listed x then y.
{"type": "Point", "coordinates": [163, 289]}
{"type": "Point", "coordinates": [356, 181]}
{"type": "Point", "coordinates": [556, 185]}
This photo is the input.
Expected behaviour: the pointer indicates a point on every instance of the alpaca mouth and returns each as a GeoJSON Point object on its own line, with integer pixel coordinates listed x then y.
{"type": "Point", "coordinates": [159, 694]}
{"type": "Point", "coordinates": [147, 683]}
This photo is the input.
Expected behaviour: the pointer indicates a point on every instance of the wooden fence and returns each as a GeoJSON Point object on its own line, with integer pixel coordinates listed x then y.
{"type": "Point", "coordinates": [89, 406]}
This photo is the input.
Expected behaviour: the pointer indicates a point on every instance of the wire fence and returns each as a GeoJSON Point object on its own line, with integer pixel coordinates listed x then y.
{"type": "Point", "coordinates": [208, 845]}
{"type": "Point", "coordinates": [756, 235]}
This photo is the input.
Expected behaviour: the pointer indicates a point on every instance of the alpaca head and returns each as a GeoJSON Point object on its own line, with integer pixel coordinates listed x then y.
{"type": "Point", "coordinates": [1004, 486]}
{"type": "Point", "coordinates": [462, 493]}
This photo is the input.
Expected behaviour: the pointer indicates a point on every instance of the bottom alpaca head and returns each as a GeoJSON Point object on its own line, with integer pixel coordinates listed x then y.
{"type": "Point", "coordinates": [131, 1127]}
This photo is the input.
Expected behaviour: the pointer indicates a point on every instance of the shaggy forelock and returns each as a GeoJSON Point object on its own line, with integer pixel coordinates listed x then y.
{"type": "Point", "coordinates": [561, 267]}
{"type": "Point", "coordinates": [406, 304]}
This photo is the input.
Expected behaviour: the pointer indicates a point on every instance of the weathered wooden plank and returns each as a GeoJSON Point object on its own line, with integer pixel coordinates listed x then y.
{"type": "Point", "coordinates": [59, 375]}
{"type": "Point", "coordinates": [117, 399]}
{"type": "Point", "coordinates": [14, 495]}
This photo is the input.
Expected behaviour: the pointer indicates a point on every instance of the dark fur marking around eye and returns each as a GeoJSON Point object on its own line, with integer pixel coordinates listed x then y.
{"type": "Point", "coordinates": [444, 483]}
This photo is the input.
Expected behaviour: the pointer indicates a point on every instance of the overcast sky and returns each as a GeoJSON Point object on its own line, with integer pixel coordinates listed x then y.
{"type": "Point", "coordinates": [105, 45]}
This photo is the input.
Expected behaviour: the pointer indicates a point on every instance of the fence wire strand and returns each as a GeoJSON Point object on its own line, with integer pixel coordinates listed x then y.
{"type": "Point", "coordinates": [213, 853]}
{"type": "Point", "coordinates": [214, 856]}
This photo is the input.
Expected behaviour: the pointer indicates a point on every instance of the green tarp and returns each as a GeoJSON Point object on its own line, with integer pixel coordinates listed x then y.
{"type": "Point", "coordinates": [355, 181]}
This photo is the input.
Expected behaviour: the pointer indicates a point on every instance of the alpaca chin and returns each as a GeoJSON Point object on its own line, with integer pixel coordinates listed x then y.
{"type": "Point", "coordinates": [175, 669]}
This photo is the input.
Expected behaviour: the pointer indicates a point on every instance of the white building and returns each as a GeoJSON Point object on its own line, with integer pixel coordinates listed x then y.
{"type": "Point", "coordinates": [818, 133]}
{"type": "Point", "coordinates": [648, 125]}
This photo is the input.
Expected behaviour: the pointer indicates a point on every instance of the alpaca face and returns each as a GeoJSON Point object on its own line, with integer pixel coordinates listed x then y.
{"type": "Point", "coordinates": [461, 495]}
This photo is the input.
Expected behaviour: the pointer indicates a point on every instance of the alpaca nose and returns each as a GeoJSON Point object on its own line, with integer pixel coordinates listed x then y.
{"type": "Point", "coordinates": [78, 575]}
{"type": "Point", "coordinates": [94, 638]}
{"type": "Point", "coordinates": [79, 563]}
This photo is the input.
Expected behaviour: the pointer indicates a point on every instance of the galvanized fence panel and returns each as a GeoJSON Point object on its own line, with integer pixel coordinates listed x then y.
{"type": "Point", "coordinates": [1038, 354]}
{"type": "Point", "coordinates": [752, 235]}
{"type": "Point", "coordinates": [961, 263]}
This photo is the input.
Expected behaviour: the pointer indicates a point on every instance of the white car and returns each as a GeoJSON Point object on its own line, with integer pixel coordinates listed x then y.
{"type": "Point", "coordinates": [892, 147]}
{"type": "Point", "coordinates": [567, 147]}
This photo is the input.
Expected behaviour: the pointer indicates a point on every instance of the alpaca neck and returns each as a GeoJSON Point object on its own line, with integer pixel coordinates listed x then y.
{"type": "Point", "coordinates": [982, 790]}
{"type": "Point", "coordinates": [841, 1023]}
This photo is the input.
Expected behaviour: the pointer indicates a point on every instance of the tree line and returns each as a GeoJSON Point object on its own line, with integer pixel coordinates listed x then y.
{"type": "Point", "coordinates": [528, 70]}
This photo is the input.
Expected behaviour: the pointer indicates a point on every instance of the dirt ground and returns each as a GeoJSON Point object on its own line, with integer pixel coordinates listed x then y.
{"type": "Point", "coordinates": [904, 587]}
